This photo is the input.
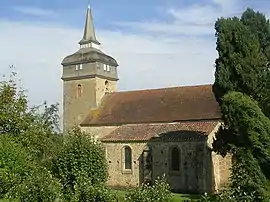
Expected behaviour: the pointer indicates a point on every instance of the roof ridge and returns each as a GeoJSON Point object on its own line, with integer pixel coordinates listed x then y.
{"type": "Point", "coordinates": [160, 89]}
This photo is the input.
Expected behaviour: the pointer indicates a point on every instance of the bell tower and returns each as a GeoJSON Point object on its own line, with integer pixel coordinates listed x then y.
{"type": "Point", "coordinates": [87, 75]}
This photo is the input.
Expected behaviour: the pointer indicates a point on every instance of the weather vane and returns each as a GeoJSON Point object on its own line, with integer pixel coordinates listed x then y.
{"type": "Point", "coordinates": [88, 3]}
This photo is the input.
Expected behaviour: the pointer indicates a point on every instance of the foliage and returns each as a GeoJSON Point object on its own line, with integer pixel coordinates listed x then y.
{"type": "Point", "coordinates": [20, 177]}
{"type": "Point", "coordinates": [80, 158]}
{"type": "Point", "coordinates": [14, 115]}
{"type": "Point", "coordinates": [39, 185]}
{"type": "Point", "coordinates": [247, 182]}
{"type": "Point", "coordinates": [260, 27]}
{"type": "Point", "coordinates": [242, 88]}
{"type": "Point", "coordinates": [14, 164]}
{"type": "Point", "coordinates": [86, 192]}
{"type": "Point", "coordinates": [29, 126]}
{"type": "Point", "coordinates": [36, 164]}
{"type": "Point", "coordinates": [245, 126]}
{"type": "Point", "coordinates": [241, 65]}
{"type": "Point", "coordinates": [158, 192]}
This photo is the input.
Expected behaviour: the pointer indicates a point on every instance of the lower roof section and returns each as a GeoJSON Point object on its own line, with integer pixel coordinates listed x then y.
{"type": "Point", "coordinates": [164, 131]}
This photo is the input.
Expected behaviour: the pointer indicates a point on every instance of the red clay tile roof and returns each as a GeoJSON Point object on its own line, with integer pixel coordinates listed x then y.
{"type": "Point", "coordinates": [164, 131]}
{"type": "Point", "coordinates": [155, 106]}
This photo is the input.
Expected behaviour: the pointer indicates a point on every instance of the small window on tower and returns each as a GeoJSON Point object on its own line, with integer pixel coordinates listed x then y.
{"type": "Point", "coordinates": [106, 86]}
{"type": "Point", "coordinates": [79, 90]}
{"type": "Point", "coordinates": [80, 66]}
{"type": "Point", "coordinates": [108, 68]}
{"type": "Point", "coordinates": [76, 67]}
{"type": "Point", "coordinates": [105, 67]}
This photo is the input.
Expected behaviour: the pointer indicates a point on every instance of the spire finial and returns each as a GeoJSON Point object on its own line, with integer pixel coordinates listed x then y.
{"type": "Point", "coordinates": [89, 35]}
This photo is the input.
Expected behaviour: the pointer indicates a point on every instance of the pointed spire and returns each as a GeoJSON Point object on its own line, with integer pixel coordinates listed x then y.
{"type": "Point", "coordinates": [89, 35]}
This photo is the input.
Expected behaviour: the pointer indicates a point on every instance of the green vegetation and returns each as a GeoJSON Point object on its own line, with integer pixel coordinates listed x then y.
{"type": "Point", "coordinates": [81, 165]}
{"type": "Point", "coordinates": [241, 87]}
{"type": "Point", "coordinates": [173, 198]}
{"type": "Point", "coordinates": [37, 163]}
{"type": "Point", "coordinates": [158, 192]}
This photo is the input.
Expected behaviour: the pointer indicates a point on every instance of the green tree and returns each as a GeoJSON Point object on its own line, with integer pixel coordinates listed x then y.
{"type": "Point", "coordinates": [260, 27]}
{"type": "Point", "coordinates": [247, 183]}
{"type": "Point", "coordinates": [80, 158]}
{"type": "Point", "coordinates": [15, 117]}
{"type": "Point", "coordinates": [245, 126]}
{"type": "Point", "coordinates": [242, 89]}
{"type": "Point", "coordinates": [37, 128]}
{"type": "Point", "coordinates": [241, 65]}
{"type": "Point", "coordinates": [158, 192]}
{"type": "Point", "coordinates": [28, 142]}
{"type": "Point", "coordinates": [14, 164]}
{"type": "Point", "coordinates": [22, 178]}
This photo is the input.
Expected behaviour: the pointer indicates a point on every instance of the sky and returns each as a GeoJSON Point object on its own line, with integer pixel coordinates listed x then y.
{"type": "Point", "coordinates": [157, 43]}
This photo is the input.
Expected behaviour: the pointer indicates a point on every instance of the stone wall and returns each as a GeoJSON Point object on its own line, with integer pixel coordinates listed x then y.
{"type": "Point", "coordinates": [221, 170]}
{"type": "Point", "coordinates": [193, 177]}
{"type": "Point", "coordinates": [76, 108]}
{"type": "Point", "coordinates": [118, 176]}
{"type": "Point", "coordinates": [97, 131]}
{"type": "Point", "coordinates": [201, 170]}
{"type": "Point", "coordinates": [220, 166]}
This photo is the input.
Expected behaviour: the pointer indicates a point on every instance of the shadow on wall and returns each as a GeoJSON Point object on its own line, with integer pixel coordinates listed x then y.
{"type": "Point", "coordinates": [183, 157]}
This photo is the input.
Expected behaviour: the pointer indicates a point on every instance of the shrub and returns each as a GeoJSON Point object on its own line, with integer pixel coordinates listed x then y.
{"type": "Point", "coordinates": [86, 192]}
{"type": "Point", "coordinates": [14, 164]}
{"type": "Point", "coordinates": [21, 178]}
{"type": "Point", "coordinates": [158, 192]}
{"type": "Point", "coordinates": [80, 158]}
{"type": "Point", "coordinates": [38, 186]}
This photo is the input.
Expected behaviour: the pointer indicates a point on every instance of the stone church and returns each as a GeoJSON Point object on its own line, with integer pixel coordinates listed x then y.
{"type": "Point", "coordinates": [146, 133]}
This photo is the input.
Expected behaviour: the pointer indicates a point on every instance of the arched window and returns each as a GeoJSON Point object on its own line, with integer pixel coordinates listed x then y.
{"type": "Point", "coordinates": [79, 90]}
{"type": "Point", "coordinates": [175, 159]}
{"type": "Point", "coordinates": [127, 158]}
{"type": "Point", "coordinates": [106, 86]}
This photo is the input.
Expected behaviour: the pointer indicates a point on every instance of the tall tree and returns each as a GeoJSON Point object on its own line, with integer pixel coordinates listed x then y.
{"type": "Point", "coordinates": [241, 65]}
{"type": "Point", "coordinates": [242, 89]}
{"type": "Point", "coordinates": [260, 27]}
{"type": "Point", "coordinates": [245, 126]}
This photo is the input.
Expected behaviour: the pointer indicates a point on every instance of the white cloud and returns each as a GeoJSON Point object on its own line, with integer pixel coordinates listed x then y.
{"type": "Point", "coordinates": [161, 57]}
{"type": "Point", "coordinates": [35, 11]}
{"type": "Point", "coordinates": [145, 61]}
{"type": "Point", "coordinates": [196, 19]}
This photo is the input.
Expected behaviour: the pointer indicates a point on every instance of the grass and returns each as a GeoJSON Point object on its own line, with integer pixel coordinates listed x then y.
{"type": "Point", "coordinates": [175, 197]}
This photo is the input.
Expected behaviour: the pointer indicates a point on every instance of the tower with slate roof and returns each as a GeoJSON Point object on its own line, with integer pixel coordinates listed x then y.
{"type": "Point", "coordinates": [88, 75]}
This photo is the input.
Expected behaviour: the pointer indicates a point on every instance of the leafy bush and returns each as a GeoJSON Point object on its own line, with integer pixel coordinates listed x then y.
{"type": "Point", "coordinates": [247, 182]}
{"type": "Point", "coordinates": [80, 158]}
{"type": "Point", "coordinates": [158, 192]}
{"type": "Point", "coordinates": [14, 164]}
{"type": "Point", "coordinates": [22, 178]}
{"type": "Point", "coordinates": [86, 192]}
{"type": "Point", "coordinates": [38, 186]}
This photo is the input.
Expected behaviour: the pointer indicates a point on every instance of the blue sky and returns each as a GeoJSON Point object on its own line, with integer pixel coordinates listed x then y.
{"type": "Point", "coordinates": [107, 12]}
{"type": "Point", "coordinates": [157, 43]}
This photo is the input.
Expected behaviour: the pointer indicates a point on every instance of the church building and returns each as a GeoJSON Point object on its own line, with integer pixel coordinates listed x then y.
{"type": "Point", "coordinates": [146, 133]}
